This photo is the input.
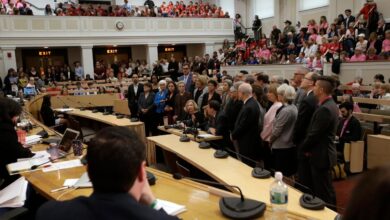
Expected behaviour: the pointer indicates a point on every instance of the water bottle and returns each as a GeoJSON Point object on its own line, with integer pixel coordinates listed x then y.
{"type": "Point", "coordinates": [279, 197]}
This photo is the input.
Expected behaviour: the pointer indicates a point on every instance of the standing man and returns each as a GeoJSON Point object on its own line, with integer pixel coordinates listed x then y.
{"type": "Point", "coordinates": [256, 27]}
{"type": "Point", "coordinates": [173, 68]}
{"type": "Point", "coordinates": [186, 77]}
{"type": "Point", "coordinates": [133, 92]}
{"type": "Point", "coordinates": [288, 28]}
{"type": "Point", "coordinates": [78, 71]}
{"type": "Point", "coordinates": [318, 148]}
{"type": "Point", "coordinates": [246, 129]}
{"type": "Point", "coordinates": [348, 18]}
{"type": "Point", "coordinates": [127, 5]}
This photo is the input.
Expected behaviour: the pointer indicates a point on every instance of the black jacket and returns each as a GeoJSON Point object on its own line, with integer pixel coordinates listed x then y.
{"type": "Point", "coordinates": [246, 129]}
{"type": "Point", "coordinates": [319, 142]}
{"type": "Point", "coordinates": [233, 107]}
{"type": "Point", "coordinates": [10, 151]}
{"type": "Point", "coordinates": [205, 100]}
{"type": "Point", "coordinates": [47, 115]}
{"type": "Point", "coordinates": [99, 206]}
{"type": "Point", "coordinates": [131, 96]}
{"type": "Point", "coordinates": [305, 112]}
{"type": "Point", "coordinates": [199, 120]}
{"type": "Point", "coordinates": [147, 103]}
{"type": "Point", "coordinates": [350, 20]}
{"type": "Point", "coordinates": [352, 131]}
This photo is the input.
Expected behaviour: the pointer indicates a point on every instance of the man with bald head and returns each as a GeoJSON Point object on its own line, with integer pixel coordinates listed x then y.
{"type": "Point", "coordinates": [246, 129]}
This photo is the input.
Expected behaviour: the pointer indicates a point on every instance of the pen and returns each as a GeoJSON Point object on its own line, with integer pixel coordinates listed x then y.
{"type": "Point", "coordinates": [59, 189]}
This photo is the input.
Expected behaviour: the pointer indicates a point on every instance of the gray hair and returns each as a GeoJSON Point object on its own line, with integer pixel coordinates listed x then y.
{"type": "Point", "coordinates": [288, 92]}
{"type": "Point", "coordinates": [162, 82]}
{"type": "Point", "coordinates": [235, 86]}
{"type": "Point", "coordinates": [245, 88]}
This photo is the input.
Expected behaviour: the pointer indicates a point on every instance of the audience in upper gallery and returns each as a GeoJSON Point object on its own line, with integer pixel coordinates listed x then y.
{"type": "Point", "coordinates": [179, 9]}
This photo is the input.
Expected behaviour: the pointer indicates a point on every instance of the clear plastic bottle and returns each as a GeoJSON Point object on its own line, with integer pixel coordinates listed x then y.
{"type": "Point", "coordinates": [279, 197]}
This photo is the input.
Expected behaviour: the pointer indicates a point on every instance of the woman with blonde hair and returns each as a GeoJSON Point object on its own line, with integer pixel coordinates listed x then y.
{"type": "Point", "coordinates": [200, 89]}
{"type": "Point", "coordinates": [193, 117]}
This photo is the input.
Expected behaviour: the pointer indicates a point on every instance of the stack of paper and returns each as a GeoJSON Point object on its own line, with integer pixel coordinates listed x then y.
{"type": "Point", "coordinates": [32, 139]}
{"type": "Point", "coordinates": [171, 208]}
{"type": "Point", "coordinates": [63, 110]}
{"type": "Point", "coordinates": [63, 165]}
{"type": "Point", "coordinates": [25, 164]}
{"type": "Point", "coordinates": [14, 195]}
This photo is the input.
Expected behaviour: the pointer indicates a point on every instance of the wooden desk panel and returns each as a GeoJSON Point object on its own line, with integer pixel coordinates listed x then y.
{"type": "Point", "coordinates": [233, 172]}
{"type": "Point", "coordinates": [121, 107]}
{"type": "Point", "coordinates": [180, 132]}
{"type": "Point", "coordinates": [378, 151]}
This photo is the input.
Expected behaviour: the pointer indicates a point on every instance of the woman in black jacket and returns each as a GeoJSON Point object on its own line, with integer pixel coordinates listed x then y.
{"type": "Point", "coordinates": [47, 114]}
{"type": "Point", "coordinates": [194, 117]}
{"type": "Point", "coordinates": [10, 148]}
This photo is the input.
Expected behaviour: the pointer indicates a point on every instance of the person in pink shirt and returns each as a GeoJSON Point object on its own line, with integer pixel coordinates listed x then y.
{"type": "Point", "coordinates": [386, 43]}
{"type": "Point", "coordinates": [269, 117]}
{"type": "Point", "coordinates": [359, 56]}
{"type": "Point", "coordinates": [323, 24]}
{"type": "Point", "coordinates": [264, 54]}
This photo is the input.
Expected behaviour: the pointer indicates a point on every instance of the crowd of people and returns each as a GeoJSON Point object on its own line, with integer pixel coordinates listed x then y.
{"type": "Point", "coordinates": [197, 9]}
{"type": "Point", "coordinates": [347, 38]}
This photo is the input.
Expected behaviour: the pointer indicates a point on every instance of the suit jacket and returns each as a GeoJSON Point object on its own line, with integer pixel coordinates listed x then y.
{"type": "Point", "coordinates": [352, 131]}
{"type": "Point", "coordinates": [188, 83]}
{"type": "Point", "coordinates": [319, 142]}
{"type": "Point", "coordinates": [348, 21]}
{"type": "Point", "coordinates": [205, 100]}
{"type": "Point", "coordinates": [246, 129]}
{"type": "Point", "coordinates": [131, 96]}
{"type": "Point", "coordinates": [146, 103]}
{"type": "Point", "coordinates": [99, 206]}
{"type": "Point", "coordinates": [180, 102]}
{"type": "Point", "coordinates": [10, 151]}
{"type": "Point", "coordinates": [305, 112]}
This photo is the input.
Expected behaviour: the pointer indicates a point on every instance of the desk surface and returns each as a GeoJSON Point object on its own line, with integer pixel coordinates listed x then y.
{"type": "Point", "coordinates": [180, 132]}
{"type": "Point", "coordinates": [107, 119]}
{"type": "Point", "coordinates": [233, 172]}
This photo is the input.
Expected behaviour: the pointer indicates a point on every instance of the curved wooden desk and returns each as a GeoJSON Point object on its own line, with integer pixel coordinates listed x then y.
{"type": "Point", "coordinates": [233, 172]}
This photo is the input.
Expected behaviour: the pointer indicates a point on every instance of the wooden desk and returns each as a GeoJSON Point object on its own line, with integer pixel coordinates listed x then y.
{"type": "Point", "coordinates": [372, 117]}
{"type": "Point", "coordinates": [233, 172]}
{"type": "Point", "coordinates": [121, 107]}
{"type": "Point", "coordinates": [371, 101]}
{"type": "Point", "coordinates": [111, 120]}
{"type": "Point", "coordinates": [378, 151]}
{"type": "Point", "coordinates": [180, 132]}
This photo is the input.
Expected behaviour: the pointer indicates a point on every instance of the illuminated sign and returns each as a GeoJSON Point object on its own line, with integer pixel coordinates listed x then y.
{"type": "Point", "coordinates": [112, 51]}
{"type": "Point", "coordinates": [44, 53]}
{"type": "Point", "coordinates": [169, 49]}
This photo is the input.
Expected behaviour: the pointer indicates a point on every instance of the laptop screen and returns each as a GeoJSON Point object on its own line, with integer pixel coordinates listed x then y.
{"type": "Point", "coordinates": [66, 141]}
{"type": "Point", "coordinates": [29, 91]}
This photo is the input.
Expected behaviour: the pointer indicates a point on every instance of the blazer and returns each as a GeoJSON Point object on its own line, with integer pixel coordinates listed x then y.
{"type": "Point", "coordinates": [246, 128]}
{"type": "Point", "coordinates": [99, 206]}
{"type": "Point", "coordinates": [180, 102]}
{"type": "Point", "coordinates": [305, 112]}
{"type": "Point", "coordinates": [199, 120]}
{"type": "Point", "coordinates": [205, 100]}
{"type": "Point", "coordinates": [188, 83]}
{"type": "Point", "coordinates": [200, 98]}
{"type": "Point", "coordinates": [233, 108]}
{"type": "Point", "coordinates": [348, 21]}
{"type": "Point", "coordinates": [48, 116]}
{"type": "Point", "coordinates": [146, 103]}
{"type": "Point", "coordinates": [131, 96]}
{"type": "Point", "coordinates": [283, 128]}
{"type": "Point", "coordinates": [10, 151]}
{"type": "Point", "coordinates": [319, 142]}
{"type": "Point", "coordinates": [352, 131]}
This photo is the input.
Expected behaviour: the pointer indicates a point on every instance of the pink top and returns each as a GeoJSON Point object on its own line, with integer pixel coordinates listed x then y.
{"type": "Point", "coordinates": [386, 45]}
{"type": "Point", "coordinates": [265, 54]}
{"type": "Point", "coordinates": [359, 58]}
{"type": "Point", "coordinates": [268, 121]}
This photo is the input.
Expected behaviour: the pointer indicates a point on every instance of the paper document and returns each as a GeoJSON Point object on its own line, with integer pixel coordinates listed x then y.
{"type": "Point", "coordinates": [205, 136]}
{"type": "Point", "coordinates": [171, 208]}
{"type": "Point", "coordinates": [63, 109]}
{"type": "Point", "coordinates": [63, 165]}
{"type": "Point", "coordinates": [25, 164]}
{"type": "Point", "coordinates": [14, 195]}
{"type": "Point", "coordinates": [32, 139]}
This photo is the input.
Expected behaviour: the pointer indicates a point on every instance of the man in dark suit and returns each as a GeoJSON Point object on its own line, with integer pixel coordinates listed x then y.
{"type": "Point", "coordinates": [305, 112]}
{"type": "Point", "coordinates": [133, 92]}
{"type": "Point", "coordinates": [246, 129]}
{"type": "Point", "coordinates": [348, 18]}
{"type": "Point", "coordinates": [349, 128]}
{"type": "Point", "coordinates": [173, 68]}
{"type": "Point", "coordinates": [318, 148]}
{"type": "Point", "coordinates": [217, 124]}
{"type": "Point", "coordinates": [186, 77]}
{"type": "Point", "coordinates": [117, 169]}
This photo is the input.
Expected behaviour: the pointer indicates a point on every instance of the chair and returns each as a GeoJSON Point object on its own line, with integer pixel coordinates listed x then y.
{"type": "Point", "coordinates": [86, 134]}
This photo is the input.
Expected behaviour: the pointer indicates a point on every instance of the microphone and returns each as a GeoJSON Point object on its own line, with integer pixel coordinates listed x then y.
{"type": "Point", "coordinates": [93, 110]}
{"type": "Point", "coordinates": [79, 103]}
{"type": "Point", "coordinates": [257, 172]}
{"type": "Point", "coordinates": [233, 207]}
{"type": "Point", "coordinates": [62, 101]}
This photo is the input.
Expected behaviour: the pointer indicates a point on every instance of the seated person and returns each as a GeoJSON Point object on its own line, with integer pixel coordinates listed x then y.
{"type": "Point", "coordinates": [117, 169]}
{"type": "Point", "coordinates": [349, 128]}
{"type": "Point", "coordinates": [47, 114]}
{"type": "Point", "coordinates": [10, 148]}
{"type": "Point", "coordinates": [218, 123]}
{"type": "Point", "coordinates": [193, 117]}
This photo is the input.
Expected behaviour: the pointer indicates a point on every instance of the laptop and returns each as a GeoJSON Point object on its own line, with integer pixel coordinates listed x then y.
{"type": "Point", "coordinates": [29, 91]}
{"type": "Point", "coordinates": [64, 145]}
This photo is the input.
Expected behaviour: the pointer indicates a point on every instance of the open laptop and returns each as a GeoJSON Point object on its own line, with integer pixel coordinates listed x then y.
{"type": "Point", "coordinates": [64, 145]}
{"type": "Point", "coordinates": [29, 91]}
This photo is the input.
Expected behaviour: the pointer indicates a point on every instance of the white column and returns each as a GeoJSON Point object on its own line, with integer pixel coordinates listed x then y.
{"type": "Point", "coordinates": [87, 60]}
{"type": "Point", "coordinates": [151, 53]}
{"type": "Point", "coordinates": [9, 57]}
{"type": "Point", "coordinates": [209, 48]}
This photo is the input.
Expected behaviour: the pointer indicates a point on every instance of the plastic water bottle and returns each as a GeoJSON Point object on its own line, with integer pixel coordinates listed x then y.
{"type": "Point", "coordinates": [279, 197]}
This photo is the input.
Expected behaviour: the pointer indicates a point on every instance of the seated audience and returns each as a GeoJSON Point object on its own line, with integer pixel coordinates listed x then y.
{"type": "Point", "coordinates": [117, 169]}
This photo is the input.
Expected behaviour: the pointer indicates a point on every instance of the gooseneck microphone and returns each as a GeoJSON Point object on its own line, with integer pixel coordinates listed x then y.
{"type": "Point", "coordinates": [233, 207]}
{"type": "Point", "coordinates": [62, 101]}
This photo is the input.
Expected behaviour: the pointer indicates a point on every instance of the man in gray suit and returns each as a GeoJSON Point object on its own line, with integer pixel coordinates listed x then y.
{"type": "Point", "coordinates": [318, 147]}
{"type": "Point", "coordinates": [186, 77]}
